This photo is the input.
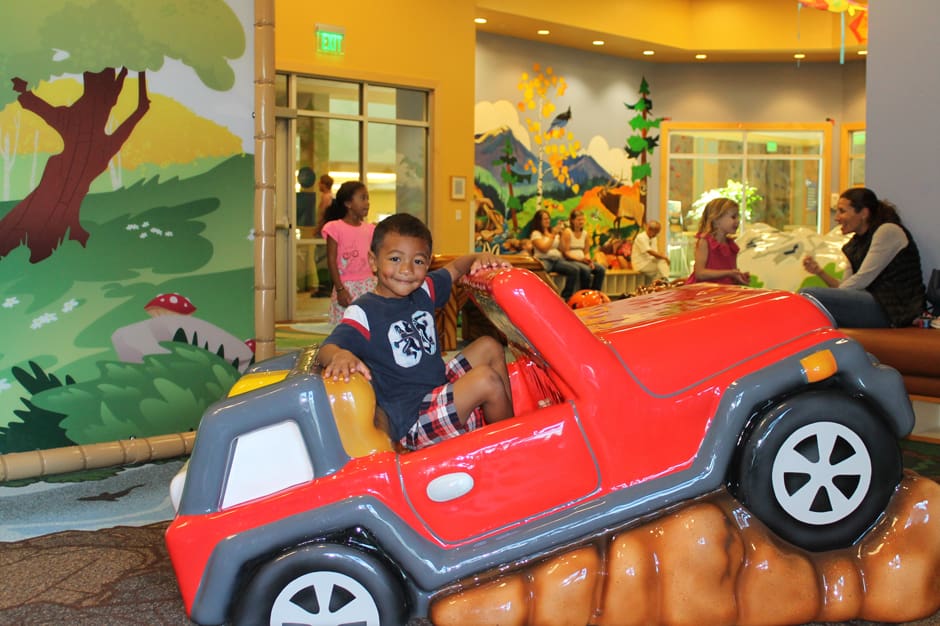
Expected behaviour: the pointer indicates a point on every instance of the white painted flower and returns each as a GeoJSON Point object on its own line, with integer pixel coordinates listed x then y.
{"type": "Point", "coordinates": [145, 225]}
{"type": "Point", "coordinates": [143, 235]}
{"type": "Point", "coordinates": [45, 318]}
{"type": "Point", "coordinates": [11, 302]}
{"type": "Point", "coordinates": [168, 233]}
{"type": "Point", "coordinates": [70, 305]}
{"type": "Point", "coordinates": [5, 384]}
{"type": "Point", "coordinates": [156, 231]}
{"type": "Point", "coordinates": [133, 227]}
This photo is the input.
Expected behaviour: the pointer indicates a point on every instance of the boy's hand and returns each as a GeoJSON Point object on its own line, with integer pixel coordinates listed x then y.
{"type": "Point", "coordinates": [343, 365]}
{"type": "Point", "coordinates": [486, 261]}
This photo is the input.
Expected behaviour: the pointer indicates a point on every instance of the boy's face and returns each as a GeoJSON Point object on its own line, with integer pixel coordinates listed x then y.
{"type": "Point", "coordinates": [401, 265]}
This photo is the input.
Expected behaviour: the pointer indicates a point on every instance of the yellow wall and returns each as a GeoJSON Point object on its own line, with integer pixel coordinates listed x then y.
{"type": "Point", "coordinates": [421, 43]}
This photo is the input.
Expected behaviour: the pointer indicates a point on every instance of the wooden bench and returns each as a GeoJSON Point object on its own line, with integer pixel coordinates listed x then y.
{"type": "Point", "coordinates": [616, 282]}
{"type": "Point", "coordinates": [914, 352]}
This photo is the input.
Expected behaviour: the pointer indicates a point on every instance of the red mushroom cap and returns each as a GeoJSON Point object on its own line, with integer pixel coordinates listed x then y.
{"type": "Point", "coordinates": [251, 344]}
{"type": "Point", "coordinates": [172, 303]}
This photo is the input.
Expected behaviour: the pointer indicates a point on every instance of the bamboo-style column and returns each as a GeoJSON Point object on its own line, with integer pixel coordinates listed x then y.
{"type": "Point", "coordinates": [265, 236]}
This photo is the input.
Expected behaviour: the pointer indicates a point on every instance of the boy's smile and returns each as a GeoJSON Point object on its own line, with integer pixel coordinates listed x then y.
{"type": "Point", "coordinates": [401, 265]}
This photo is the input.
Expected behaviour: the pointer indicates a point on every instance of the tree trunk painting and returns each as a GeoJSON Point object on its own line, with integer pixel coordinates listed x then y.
{"type": "Point", "coordinates": [50, 213]}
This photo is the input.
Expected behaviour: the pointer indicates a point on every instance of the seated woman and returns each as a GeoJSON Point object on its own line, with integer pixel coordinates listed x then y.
{"type": "Point", "coordinates": [545, 247]}
{"type": "Point", "coordinates": [883, 285]}
{"type": "Point", "coordinates": [574, 247]}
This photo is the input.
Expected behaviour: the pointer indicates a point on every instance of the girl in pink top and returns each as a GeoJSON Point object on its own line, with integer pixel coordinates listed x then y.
{"type": "Point", "coordinates": [348, 238]}
{"type": "Point", "coordinates": [716, 253]}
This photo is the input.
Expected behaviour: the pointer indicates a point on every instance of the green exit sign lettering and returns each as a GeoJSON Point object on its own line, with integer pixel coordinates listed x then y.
{"type": "Point", "coordinates": [331, 39]}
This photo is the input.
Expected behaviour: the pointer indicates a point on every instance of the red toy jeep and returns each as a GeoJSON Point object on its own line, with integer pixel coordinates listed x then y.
{"type": "Point", "coordinates": [291, 513]}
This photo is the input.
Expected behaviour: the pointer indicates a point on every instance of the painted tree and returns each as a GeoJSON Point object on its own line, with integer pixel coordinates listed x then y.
{"type": "Point", "coordinates": [510, 176]}
{"type": "Point", "coordinates": [555, 144]}
{"type": "Point", "coordinates": [101, 40]}
{"type": "Point", "coordinates": [641, 143]}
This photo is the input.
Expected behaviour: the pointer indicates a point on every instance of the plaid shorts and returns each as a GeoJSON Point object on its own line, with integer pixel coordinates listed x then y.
{"type": "Point", "coordinates": [437, 415]}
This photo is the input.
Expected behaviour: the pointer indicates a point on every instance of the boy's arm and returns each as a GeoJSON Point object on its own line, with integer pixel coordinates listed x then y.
{"type": "Point", "coordinates": [339, 363]}
{"type": "Point", "coordinates": [471, 263]}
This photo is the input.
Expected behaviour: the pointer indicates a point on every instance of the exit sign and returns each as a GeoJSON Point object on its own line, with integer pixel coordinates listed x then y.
{"type": "Point", "coordinates": [331, 39]}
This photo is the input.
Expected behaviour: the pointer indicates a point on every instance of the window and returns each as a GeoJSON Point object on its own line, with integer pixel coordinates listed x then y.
{"type": "Point", "coordinates": [359, 131]}
{"type": "Point", "coordinates": [265, 461]}
{"type": "Point", "coordinates": [852, 163]}
{"type": "Point", "coordinates": [778, 173]}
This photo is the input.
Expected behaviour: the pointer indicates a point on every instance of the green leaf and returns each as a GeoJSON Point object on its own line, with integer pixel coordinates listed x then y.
{"type": "Point", "coordinates": [639, 172]}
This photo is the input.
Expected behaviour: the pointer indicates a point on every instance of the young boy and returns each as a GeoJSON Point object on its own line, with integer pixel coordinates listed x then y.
{"type": "Point", "coordinates": [389, 336]}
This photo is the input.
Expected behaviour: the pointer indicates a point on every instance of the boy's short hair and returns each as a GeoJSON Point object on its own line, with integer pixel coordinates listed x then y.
{"type": "Point", "coordinates": [405, 225]}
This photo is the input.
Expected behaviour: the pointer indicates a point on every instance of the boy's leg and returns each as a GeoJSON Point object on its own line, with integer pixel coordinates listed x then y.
{"type": "Point", "coordinates": [486, 385]}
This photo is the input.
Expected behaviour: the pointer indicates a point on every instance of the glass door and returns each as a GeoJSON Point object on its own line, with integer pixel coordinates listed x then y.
{"type": "Point", "coordinates": [338, 131]}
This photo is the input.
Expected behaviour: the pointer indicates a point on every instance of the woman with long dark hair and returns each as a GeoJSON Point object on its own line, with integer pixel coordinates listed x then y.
{"type": "Point", "coordinates": [883, 285]}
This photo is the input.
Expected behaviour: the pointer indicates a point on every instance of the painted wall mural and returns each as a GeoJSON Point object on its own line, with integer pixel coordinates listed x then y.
{"type": "Point", "coordinates": [529, 159]}
{"type": "Point", "coordinates": [126, 215]}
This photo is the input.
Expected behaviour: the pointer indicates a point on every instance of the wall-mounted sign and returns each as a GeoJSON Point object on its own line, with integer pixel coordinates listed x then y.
{"type": "Point", "coordinates": [331, 39]}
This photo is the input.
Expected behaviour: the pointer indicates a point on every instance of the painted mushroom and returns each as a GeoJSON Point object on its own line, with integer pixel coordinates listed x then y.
{"type": "Point", "coordinates": [169, 303]}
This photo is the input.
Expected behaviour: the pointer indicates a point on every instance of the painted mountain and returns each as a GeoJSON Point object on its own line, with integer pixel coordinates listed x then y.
{"type": "Point", "coordinates": [490, 152]}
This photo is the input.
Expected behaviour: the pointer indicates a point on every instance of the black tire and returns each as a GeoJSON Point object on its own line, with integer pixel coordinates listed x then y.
{"type": "Point", "coordinates": [322, 584]}
{"type": "Point", "coordinates": [818, 469]}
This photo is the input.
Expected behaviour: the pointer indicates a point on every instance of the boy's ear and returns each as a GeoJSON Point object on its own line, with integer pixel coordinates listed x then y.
{"type": "Point", "coordinates": [372, 264]}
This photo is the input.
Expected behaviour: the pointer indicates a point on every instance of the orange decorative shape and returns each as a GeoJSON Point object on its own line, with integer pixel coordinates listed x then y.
{"type": "Point", "coordinates": [587, 297]}
{"type": "Point", "coordinates": [565, 586]}
{"type": "Point", "coordinates": [503, 602]}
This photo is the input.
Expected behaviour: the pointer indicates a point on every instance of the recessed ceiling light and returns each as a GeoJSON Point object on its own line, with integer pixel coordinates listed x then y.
{"type": "Point", "coordinates": [480, 20]}
{"type": "Point", "coordinates": [863, 52]}
{"type": "Point", "coordinates": [598, 42]}
{"type": "Point", "coordinates": [799, 55]}
{"type": "Point", "coordinates": [701, 56]}
{"type": "Point", "coordinates": [649, 53]}
{"type": "Point", "coordinates": [543, 31]}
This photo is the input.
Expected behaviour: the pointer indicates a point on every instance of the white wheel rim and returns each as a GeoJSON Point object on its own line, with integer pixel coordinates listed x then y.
{"type": "Point", "coordinates": [324, 599]}
{"type": "Point", "coordinates": [821, 473]}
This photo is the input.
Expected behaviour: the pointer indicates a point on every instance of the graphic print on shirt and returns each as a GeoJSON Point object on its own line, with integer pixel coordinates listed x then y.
{"type": "Point", "coordinates": [410, 338]}
{"type": "Point", "coordinates": [347, 257]}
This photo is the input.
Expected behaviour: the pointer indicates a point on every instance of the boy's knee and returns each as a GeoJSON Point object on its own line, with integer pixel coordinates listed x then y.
{"type": "Point", "coordinates": [488, 344]}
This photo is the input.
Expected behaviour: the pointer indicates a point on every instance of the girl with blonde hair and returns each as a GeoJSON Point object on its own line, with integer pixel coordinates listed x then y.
{"type": "Point", "coordinates": [716, 253]}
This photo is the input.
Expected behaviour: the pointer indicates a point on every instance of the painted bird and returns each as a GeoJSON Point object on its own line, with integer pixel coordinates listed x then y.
{"type": "Point", "coordinates": [561, 120]}
{"type": "Point", "coordinates": [109, 496]}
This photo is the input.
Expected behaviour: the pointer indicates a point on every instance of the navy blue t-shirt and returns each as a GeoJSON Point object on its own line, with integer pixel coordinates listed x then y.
{"type": "Point", "coordinates": [397, 339]}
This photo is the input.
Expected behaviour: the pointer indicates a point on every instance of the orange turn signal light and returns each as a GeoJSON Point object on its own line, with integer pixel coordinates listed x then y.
{"type": "Point", "coordinates": [819, 366]}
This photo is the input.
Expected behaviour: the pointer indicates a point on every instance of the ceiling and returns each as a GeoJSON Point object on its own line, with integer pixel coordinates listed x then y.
{"type": "Point", "coordinates": [737, 31]}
